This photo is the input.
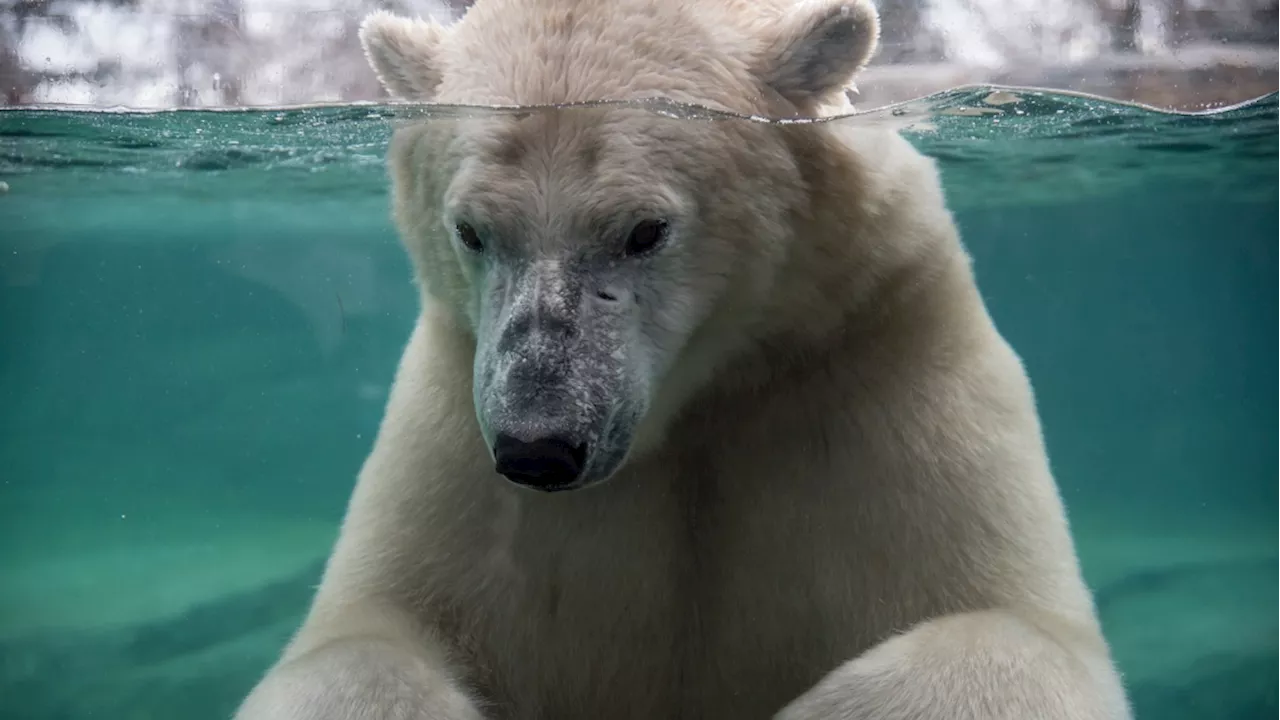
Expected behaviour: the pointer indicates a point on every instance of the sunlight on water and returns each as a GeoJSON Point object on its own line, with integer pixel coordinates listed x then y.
{"type": "Point", "coordinates": [202, 311]}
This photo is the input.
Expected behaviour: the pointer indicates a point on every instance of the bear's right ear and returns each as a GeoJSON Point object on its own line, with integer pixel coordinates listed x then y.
{"type": "Point", "coordinates": [403, 53]}
{"type": "Point", "coordinates": [816, 52]}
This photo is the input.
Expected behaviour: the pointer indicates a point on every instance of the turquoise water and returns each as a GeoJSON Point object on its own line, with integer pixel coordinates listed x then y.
{"type": "Point", "coordinates": [201, 313]}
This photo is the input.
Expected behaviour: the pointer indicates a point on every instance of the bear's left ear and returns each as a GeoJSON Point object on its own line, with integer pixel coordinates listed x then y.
{"type": "Point", "coordinates": [817, 51]}
{"type": "Point", "coordinates": [403, 53]}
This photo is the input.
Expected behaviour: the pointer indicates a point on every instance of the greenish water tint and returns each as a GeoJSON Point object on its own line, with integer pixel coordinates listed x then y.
{"type": "Point", "coordinates": [201, 311]}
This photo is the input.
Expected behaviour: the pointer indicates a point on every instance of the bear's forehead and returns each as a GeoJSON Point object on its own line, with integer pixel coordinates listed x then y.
{"type": "Point", "coordinates": [585, 143]}
{"type": "Point", "coordinates": [561, 141]}
{"type": "Point", "coordinates": [577, 169]}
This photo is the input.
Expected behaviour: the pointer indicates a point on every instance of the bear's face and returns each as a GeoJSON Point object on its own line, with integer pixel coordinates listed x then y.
{"type": "Point", "coordinates": [597, 253]}
{"type": "Point", "coordinates": [583, 265]}
{"type": "Point", "coordinates": [590, 248]}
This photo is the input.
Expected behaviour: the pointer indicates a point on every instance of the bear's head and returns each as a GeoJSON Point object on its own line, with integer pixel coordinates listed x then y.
{"type": "Point", "coordinates": [605, 260]}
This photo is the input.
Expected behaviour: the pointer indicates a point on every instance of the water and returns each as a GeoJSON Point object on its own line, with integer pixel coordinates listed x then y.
{"type": "Point", "coordinates": [201, 312]}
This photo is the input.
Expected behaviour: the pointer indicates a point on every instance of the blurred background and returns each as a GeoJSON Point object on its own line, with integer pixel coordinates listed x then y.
{"type": "Point", "coordinates": [1172, 54]}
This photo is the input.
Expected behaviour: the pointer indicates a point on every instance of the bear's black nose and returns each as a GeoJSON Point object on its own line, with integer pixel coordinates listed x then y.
{"type": "Point", "coordinates": [546, 464]}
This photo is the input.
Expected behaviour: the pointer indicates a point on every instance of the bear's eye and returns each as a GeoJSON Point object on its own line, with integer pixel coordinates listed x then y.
{"type": "Point", "coordinates": [645, 237]}
{"type": "Point", "coordinates": [469, 238]}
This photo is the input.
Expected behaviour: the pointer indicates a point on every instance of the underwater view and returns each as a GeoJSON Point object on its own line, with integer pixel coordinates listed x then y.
{"type": "Point", "coordinates": [201, 313]}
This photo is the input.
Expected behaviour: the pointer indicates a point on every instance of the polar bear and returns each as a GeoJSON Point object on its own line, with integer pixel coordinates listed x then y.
{"type": "Point", "coordinates": [701, 418]}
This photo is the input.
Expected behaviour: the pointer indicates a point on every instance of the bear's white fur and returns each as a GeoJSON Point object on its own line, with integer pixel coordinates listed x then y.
{"type": "Point", "coordinates": [836, 502]}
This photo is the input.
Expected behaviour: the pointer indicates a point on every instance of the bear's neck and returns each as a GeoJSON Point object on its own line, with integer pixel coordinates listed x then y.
{"type": "Point", "coordinates": [876, 272]}
{"type": "Point", "coordinates": [918, 310]}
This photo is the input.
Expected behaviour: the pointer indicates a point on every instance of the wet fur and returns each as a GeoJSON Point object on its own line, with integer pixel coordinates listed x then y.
{"type": "Point", "coordinates": [838, 505]}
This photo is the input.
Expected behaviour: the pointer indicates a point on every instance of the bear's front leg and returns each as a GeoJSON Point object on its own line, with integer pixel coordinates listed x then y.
{"type": "Point", "coordinates": [358, 679]}
{"type": "Point", "coordinates": [361, 661]}
{"type": "Point", "coordinates": [977, 666]}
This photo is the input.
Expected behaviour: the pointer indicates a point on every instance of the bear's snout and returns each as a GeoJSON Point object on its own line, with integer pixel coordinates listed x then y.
{"type": "Point", "coordinates": [548, 463]}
